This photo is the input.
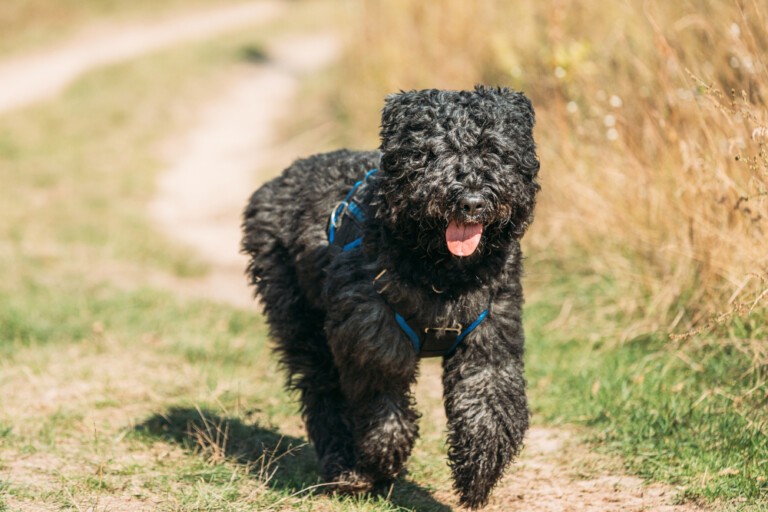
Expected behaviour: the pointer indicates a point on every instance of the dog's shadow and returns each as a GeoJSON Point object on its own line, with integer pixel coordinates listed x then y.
{"type": "Point", "coordinates": [284, 462]}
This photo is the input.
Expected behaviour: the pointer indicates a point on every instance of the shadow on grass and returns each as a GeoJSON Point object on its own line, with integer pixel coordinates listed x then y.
{"type": "Point", "coordinates": [286, 463]}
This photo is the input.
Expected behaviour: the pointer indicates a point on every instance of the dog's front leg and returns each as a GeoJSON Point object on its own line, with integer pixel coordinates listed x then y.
{"type": "Point", "coordinates": [385, 430]}
{"type": "Point", "coordinates": [486, 407]}
{"type": "Point", "coordinates": [377, 366]}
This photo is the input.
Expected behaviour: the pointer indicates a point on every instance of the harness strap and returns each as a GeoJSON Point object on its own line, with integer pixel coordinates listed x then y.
{"type": "Point", "coordinates": [409, 332]}
{"type": "Point", "coordinates": [354, 243]}
{"type": "Point", "coordinates": [418, 343]}
{"type": "Point", "coordinates": [348, 207]}
{"type": "Point", "coordinates": [352, 214]}
{"type": "Point", "coordinates": [471, 328]}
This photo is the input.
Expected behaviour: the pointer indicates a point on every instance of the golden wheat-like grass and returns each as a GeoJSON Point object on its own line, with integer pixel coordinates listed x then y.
{"type": "Point", "coordinates": [652, 129]}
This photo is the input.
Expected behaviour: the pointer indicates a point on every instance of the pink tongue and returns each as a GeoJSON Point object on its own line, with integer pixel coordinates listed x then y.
{"type": "Point", "coordinates": [463, 239]}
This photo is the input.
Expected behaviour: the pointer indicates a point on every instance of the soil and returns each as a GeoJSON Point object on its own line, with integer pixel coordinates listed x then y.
{"type": "Point", "coordinates": [215, 166]}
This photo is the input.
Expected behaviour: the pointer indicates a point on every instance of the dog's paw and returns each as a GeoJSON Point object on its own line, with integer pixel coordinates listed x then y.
{"type": "Point", "coordinates": [473, 492]}
{"type": "Point", "coordinates": [472, 487]}
{"type": "Point", "coordinates": [384, 463]}
{"type": "Point", "coordinates": [386, 446]}
{"type": "Point", "coordinates": [473, 501]}
{"type": "Point", "coordinates": [350, 482]}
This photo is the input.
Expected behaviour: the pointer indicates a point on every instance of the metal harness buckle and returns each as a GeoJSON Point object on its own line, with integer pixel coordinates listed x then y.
{"type": "Point", "coordinates": [457, 329]}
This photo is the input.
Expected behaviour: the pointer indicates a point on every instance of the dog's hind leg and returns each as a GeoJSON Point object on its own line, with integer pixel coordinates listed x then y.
{"type": "Point", "coordinates": [486, 407]}
{"type": "Point", "coordinates": [297, 331]}
{"type": "Point", "coordinates": [323, 406]}
{"type": "Point", "coordinates": [325, 412]}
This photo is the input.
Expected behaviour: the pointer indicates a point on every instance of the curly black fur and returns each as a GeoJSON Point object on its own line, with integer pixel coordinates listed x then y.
{"type": "Point", "coordinates": [335, 331]}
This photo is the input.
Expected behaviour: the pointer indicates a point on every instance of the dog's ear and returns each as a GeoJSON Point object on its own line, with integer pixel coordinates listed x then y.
{"type": "Point", "coordinates": [406, 114]}
{"type": "Point", "coordinates": [514, 104]}
{"type": "Point", "coordinates": [405, 103]}
{"type": "Point", "coordinates": [519, 118]}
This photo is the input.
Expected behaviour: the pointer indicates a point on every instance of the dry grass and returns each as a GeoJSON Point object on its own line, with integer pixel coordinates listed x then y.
{"type": "Point", "coordinates": [652, 127]}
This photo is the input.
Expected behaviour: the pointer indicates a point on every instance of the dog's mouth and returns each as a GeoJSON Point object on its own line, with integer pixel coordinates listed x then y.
{"type": "Point", "coordinates": [463, 239]}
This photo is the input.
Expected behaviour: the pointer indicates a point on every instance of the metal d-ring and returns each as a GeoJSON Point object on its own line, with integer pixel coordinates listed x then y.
{"type": "Point", "coordinates": [436, 290]}
{"type": "Point", "coordinates": [338, 213]}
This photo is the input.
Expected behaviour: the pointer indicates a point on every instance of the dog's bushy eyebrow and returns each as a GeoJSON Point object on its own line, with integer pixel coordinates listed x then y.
{"type": "Point", "coordinates": [412, 109]}
{"type": "Point", "coordinates": [497, 118]}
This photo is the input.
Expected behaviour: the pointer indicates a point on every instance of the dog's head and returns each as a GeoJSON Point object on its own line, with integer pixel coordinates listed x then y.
{"type": "Point", "coordinates": [458, 170]}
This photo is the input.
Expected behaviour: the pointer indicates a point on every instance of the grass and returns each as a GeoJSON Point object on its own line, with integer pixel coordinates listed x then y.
{"type": "Point", "coordinates": [691, 414]}
{"type": "Point", "coordinates": [76, 319]}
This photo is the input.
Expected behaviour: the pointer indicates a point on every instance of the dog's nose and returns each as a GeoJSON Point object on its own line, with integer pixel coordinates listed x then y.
{"type": "Point", "coordinates": [472, 204]}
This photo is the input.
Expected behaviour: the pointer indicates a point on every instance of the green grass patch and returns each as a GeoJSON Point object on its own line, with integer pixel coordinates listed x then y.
{"type": "Point", "coordinates": [694, 414]}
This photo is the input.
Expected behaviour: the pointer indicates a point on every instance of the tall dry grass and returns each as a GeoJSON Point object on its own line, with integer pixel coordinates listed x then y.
{"type": "Point", "coordinates": [652, 131]}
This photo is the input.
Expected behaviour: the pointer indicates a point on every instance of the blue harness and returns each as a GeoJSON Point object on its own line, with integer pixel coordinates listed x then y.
{"type": "Point", "coordinates": [433, 346]}
{"type": "Point", "coordinates": [345, 231]}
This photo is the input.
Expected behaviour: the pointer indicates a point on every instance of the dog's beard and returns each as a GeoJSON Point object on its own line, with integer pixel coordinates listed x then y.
{"type": "Point", "coordinates": [439, 230]}
{"type": "Point", "coordinates": [426, 219]}
{"type": "Point", "coordinates": [447, 237]}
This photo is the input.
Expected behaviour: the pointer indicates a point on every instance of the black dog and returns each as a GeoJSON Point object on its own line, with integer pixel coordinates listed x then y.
{"type": "Point", "coordinates": [421, 257]}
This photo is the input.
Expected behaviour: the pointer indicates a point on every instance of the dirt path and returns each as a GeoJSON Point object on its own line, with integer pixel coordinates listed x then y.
{"type": "Point", "coordinates": [556, 472]}
{"type": "Point", "coordinates": [33, 77]}
{"type": "Point", "coordinates": [201, 197]}
{"type": "Point", "coordinates": [213, 168]}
